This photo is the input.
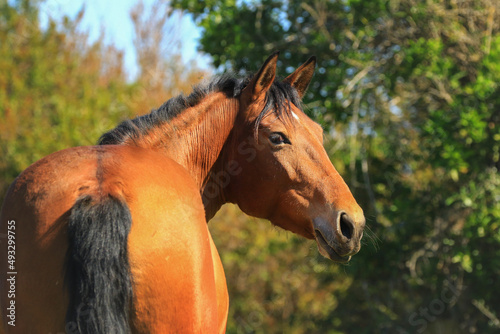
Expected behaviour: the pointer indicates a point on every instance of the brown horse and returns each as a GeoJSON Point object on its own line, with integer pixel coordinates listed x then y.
{"type": "Point", "coordinates": [113, 238]}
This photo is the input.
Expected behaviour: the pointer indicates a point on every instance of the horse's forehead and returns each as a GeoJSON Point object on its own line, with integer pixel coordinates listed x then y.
{"type": "Point", "coordinates": [306, 124]}
{"type": "Point", "coordinates": [296, 121]}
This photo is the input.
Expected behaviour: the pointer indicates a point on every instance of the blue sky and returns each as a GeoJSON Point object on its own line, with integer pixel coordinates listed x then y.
{"type": "Point", "coordinates": [113, 16]}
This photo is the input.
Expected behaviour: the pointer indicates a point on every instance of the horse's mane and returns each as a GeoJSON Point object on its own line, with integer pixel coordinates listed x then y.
{"type": "Point", "coordinates": [278, 99]}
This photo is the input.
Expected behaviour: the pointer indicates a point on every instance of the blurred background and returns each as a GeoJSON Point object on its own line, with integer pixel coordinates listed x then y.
{"type": "Point", "coordinates": [408, 92]}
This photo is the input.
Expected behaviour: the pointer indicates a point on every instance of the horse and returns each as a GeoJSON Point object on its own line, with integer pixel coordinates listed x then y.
{"type": "Point", "coordinates": [113, 238]}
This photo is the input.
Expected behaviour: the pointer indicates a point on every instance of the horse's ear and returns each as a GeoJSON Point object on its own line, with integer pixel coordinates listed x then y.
{"type": "Point", "coordinates": [263, 80]}
{"type": "Point", "coordinates": [302, 76]}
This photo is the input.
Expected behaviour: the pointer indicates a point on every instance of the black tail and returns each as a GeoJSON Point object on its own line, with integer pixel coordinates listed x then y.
{"type": "Point", "coordinates": [97, 268]}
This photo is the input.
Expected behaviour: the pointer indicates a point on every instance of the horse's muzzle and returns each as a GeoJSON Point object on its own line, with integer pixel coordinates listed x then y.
{"type": "Point", "coordinates": [340, 239]}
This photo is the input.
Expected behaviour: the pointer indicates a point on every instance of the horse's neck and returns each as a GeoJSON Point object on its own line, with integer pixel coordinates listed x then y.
{"type": "Point", "coordinates": [196, 139]}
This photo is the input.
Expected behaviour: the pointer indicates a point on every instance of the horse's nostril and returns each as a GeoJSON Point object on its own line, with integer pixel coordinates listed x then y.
{"type": "Point", "coordinates": [346, 226]}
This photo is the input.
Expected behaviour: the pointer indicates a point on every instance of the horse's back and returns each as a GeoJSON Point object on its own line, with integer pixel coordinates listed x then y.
{"type": "Point", "coordinates": [168, 243]}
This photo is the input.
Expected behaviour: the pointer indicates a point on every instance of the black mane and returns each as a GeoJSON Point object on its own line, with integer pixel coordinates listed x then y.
{"type": "Point", "coordinates": [278, 99]}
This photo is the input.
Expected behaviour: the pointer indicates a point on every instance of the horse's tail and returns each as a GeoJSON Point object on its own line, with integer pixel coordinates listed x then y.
{"type": "Point", "coordinates": [97, 267]}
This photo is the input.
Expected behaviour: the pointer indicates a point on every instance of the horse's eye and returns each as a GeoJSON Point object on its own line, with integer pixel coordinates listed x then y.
{"type": "Point", "coordinates": [278, 138]}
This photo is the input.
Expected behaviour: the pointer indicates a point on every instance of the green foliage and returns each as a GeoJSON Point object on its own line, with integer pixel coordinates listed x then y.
{"type": "Point", "coordinates": [55, 91]}
{"type": "Point", "coordinates": [408, 92]}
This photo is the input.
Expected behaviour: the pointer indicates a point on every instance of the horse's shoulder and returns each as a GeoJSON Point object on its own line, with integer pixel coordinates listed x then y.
{"type": "Point", "coordinates": [142, 168]}
{"type": "Point", "coordinates": [150, 179]}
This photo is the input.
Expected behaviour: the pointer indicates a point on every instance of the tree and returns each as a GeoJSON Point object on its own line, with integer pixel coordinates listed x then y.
{"type": "Point", "coordinates": [163, 73]}
{"type": "Point", "coordinates": [56, 89]}
{"type": "Point", "coordinates": [409, 94]}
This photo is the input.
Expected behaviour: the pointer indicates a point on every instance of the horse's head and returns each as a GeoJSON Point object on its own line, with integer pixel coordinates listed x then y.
{"type": "Point", "coordinates": [283, 173]}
